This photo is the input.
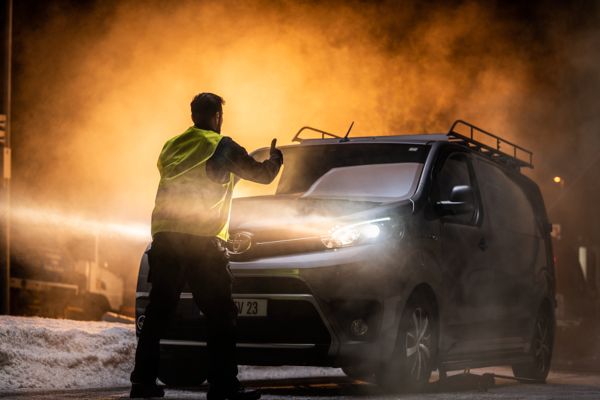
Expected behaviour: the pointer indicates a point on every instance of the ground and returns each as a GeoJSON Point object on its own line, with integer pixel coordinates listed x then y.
{"type": "Point", "coordinates": [309, 383]}
{"type": "Point", "coordinates": [53, 359]}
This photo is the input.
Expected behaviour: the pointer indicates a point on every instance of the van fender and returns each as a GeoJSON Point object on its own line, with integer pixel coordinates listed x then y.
{"type": "Point", "coordinates": [419, 269]}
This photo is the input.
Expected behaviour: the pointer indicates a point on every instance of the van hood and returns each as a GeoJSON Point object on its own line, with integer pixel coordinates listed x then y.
{"type": "Point", "coordinates": [272, 221]}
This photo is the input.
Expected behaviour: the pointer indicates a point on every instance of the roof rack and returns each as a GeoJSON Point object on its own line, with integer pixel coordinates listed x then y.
{"type": "Point", "coordinates": [516, 157]}
{"type": "Point", "coordinates": [298, 139]}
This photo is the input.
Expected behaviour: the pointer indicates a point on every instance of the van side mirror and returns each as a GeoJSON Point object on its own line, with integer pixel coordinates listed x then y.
{"type": "Point", "coordinates": [462, 201]}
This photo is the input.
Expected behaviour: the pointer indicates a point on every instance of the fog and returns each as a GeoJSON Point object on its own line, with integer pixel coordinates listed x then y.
{"type": "Point", "coordinates": [101, 86]}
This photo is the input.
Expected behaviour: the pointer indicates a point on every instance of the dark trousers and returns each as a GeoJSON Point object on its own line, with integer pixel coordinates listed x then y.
{"type": "Point", "coordinates": [202, 263]}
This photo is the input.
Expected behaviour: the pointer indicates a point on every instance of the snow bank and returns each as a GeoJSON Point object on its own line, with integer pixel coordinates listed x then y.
{"type": "Point", "coordinates": [41, 353]}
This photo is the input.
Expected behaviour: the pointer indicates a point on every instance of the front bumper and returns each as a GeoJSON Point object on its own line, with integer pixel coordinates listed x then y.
{"type": "Point", "coordinates": [313, 300]}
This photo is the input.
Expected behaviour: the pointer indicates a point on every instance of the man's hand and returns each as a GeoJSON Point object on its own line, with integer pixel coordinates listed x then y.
{"type": "Point", "coordinates": [275, 153]}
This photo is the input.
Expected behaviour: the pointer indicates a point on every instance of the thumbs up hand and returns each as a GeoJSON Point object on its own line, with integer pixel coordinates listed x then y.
{"type": "Point", "coordinates": [275, 153]}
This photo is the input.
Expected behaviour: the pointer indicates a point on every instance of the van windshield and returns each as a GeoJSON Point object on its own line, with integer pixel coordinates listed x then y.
{"type": "Point", "coordinates": [387, 171]}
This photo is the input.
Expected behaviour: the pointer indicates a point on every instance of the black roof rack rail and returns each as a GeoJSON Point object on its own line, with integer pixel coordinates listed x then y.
{"type": "Point", "coordinates": [298, 139]}
{"type": "Point", "coordinates": [517, 156]}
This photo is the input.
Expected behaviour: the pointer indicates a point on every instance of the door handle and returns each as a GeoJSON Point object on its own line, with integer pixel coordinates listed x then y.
{"type": "Point", "coordinates": [482, 244]}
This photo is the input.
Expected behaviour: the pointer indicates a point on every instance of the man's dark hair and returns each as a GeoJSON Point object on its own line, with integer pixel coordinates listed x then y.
{"type": "Point", "coordinates": [204, 107]}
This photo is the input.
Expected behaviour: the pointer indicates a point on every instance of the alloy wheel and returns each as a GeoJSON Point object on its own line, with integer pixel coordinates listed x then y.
{"type": "Point", "coordinates": [542, 344]}
{"type": "Point", "coordinates": [418, 344]}
{"type": "Point", "coordinates": [542, 341]}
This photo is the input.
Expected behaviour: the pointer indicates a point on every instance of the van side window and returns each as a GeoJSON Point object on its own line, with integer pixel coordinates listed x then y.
{"type": "Point", "coordinates": [510, 209]}
{"type": "Point", "coordinates": [454, 172]}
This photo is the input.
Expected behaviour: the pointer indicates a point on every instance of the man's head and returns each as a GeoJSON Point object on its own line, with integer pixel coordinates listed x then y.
{"type": "Point", "coordinates": [207, 111]}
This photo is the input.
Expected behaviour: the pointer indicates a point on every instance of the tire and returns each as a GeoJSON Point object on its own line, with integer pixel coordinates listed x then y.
{"type": "Point", "coordinates": [181, 374]}
{"type": "Point", "coordinates": [415, 355]}
{"type": "Point", "coordinates": [542, 344]}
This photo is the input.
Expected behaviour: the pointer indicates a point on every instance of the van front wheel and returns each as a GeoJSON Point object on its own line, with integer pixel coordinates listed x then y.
{"type": "Point", "coordinates": [416, 348]}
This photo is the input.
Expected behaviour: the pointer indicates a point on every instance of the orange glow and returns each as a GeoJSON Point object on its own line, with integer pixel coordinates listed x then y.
{"type": "Point", "coordinates": [557, 179]}
{"type": "Point", "coordinates": [124, 87]}
{"type": "Point", "coordinates": [102, 91]}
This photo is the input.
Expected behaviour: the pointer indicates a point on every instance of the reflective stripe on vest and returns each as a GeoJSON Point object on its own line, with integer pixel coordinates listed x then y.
{"type": "Point", "coordinates": [187, 201]}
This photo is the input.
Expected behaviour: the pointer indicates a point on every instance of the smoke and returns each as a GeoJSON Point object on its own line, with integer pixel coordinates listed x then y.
{"type": "Point", "coordinates": [101, 86]}
{"type": "Point", "coordinates": [70, 223]}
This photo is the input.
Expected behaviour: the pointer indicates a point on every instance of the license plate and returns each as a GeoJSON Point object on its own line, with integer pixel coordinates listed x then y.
{"type": "Point", "coordinates": [251, 307]}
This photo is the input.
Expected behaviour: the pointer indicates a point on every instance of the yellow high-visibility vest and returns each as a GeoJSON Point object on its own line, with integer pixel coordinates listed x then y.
{"type": "Point", "coordinates": [187, 201]}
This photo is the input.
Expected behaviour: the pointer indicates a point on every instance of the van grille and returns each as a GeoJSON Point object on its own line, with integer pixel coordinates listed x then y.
{"type": "Point", "coordinates": [265, 284]}
{"type": "Point", "coordinates": [288, 321]}
{"type": "Point", "coordinates": [269, 284]}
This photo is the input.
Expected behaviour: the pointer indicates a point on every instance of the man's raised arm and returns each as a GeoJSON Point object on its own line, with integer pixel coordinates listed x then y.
{"type": "Point", "coordinates": [230, 157]}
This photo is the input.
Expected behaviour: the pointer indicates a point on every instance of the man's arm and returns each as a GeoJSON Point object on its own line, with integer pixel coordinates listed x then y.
{"type": "Point", "coordinates": [230, 157]}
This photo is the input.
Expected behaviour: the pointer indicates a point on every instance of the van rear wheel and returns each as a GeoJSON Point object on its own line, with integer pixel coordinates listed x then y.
{"type": "Point", "coordinates": [541, 348]}
{"type": "Point", "coordinates": [416, 349]}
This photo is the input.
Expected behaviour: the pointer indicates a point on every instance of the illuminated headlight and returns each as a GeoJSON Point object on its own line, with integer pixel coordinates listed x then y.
{"type": "Point", "coordinates": [360, 232]}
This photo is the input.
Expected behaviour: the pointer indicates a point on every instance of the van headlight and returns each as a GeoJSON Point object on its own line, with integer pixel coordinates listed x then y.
{"type": "Point", "coordinates": [359, 232]}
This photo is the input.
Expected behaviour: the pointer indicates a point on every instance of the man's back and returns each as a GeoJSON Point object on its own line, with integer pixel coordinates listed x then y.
{"type": "Point", "coordinates": [187, 201]}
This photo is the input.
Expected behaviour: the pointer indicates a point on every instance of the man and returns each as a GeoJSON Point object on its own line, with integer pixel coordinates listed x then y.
{"type": "Point", "coordinates": [190, 221]}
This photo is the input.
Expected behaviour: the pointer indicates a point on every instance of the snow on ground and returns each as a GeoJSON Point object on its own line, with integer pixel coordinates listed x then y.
{"type": "Point", "coordinates": [42, 353]}
{"type": "Point", "coordinates": [41, 357]}
{"type": "Point", "coordinates": [250, 373]}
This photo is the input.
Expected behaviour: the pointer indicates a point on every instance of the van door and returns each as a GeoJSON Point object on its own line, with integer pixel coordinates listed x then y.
{"type": "Point", "coordinates": [515, 249]}
{"type": "Point", "coordinates": [466, 274]}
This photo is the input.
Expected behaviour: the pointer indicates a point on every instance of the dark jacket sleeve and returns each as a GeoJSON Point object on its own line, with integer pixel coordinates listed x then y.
{"type": "Point", "coordinates": [230, 157]}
